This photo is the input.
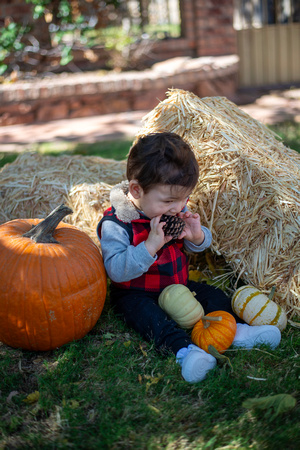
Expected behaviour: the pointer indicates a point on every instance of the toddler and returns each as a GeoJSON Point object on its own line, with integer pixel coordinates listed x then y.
{"type": "Point", "coordinates": [141, 261]}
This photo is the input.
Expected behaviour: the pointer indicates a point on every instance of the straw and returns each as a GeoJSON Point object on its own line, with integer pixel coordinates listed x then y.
{"type": "Point", "coordinates": [248, 189]}
{"type": "Point", "coordinates": [247, 193]}
{"type": "Point", "coordinates": [33, 185]}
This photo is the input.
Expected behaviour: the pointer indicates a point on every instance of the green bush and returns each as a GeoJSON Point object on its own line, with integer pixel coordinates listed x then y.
{"type": "Point", "coordinates": [67, 21]}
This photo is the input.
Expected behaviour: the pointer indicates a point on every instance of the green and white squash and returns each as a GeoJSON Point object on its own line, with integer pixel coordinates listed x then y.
{"type": "Point", "coordinates": [255, 308]}
{"type": "Point", "coordinates": [180, 304]}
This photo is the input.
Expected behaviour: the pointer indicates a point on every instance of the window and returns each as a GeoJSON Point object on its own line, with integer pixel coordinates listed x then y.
{"type": "Point", "coordinates": [258, 13]}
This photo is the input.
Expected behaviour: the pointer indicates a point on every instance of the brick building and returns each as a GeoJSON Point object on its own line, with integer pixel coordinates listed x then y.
{"type": "Point", "coordinates": [211, 57]}
{"type": "Point", "coordinates": [191, 66]}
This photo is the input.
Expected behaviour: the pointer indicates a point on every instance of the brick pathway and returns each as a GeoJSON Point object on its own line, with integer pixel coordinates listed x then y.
{"type": "Point", "coordinates": [270, 108]}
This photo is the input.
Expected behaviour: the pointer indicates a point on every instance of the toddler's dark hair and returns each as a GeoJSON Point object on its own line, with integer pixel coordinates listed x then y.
{"type": "Point", "coordinates": [162, 158]}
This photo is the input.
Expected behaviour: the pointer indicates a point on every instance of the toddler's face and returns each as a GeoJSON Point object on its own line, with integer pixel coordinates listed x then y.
{"type": "Point", "coordinates": [162, 199]}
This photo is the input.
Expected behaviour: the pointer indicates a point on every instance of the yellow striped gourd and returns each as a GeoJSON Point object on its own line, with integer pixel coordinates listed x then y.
{"type": "Point", "coordinates": [180, 304]}
{"type": "Point", "coordinates": [255, 308]}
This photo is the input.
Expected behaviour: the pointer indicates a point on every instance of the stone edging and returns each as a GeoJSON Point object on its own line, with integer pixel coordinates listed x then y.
{"type": "Point", "coordinates": [23, 102]}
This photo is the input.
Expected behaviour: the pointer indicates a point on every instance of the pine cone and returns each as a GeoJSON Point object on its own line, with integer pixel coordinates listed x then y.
{"type": "Point", "coordinates": [173, 226]}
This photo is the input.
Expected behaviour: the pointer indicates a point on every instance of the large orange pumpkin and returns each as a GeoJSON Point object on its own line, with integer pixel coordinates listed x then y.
{"type": "Point", "coordinates": [53, 282]}
{"type": "Point", "coordinates": [217, 329]}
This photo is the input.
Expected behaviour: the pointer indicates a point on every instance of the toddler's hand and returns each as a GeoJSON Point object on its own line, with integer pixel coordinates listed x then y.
{"type": "Point", "coordinates": [156, 239]}
{"type": "Point", "coordinates": [192, 230]}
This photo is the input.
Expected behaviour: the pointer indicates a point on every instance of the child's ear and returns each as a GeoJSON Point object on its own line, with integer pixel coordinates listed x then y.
{"type": "Point", "coordinates": [135, 189]}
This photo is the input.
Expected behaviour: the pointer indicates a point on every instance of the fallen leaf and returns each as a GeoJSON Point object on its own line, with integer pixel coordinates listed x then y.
{"type": "Point", "coordinates": [211, 263]}
{"type": "Point", "coordinates": [74, 404]}
{"type": "Point", "coordinates": [294, 324]}
{"type": "Point", "coordinates": [11, 395]}
{"type": "Point", "coordinates": [32, 398]}
{"type": "Point", "coordinates": [143, 351]}
{"type": "Point", "coordinates": [257, 379]}
{"type": "Point", "coordinates": [91, 415]}
{"type": "Point", "coordinates": [194, 275]}
{"type": "Point", "coordinates": [108, 335]}
{"type": "Point", "coordinates": [20, 366]}
{"type": "Point", "coordinates": [154, 409]}
{"type": "Point", "coordinates": [152, 380]}
{"type": "Point", "coordinates": [37, 360]}
{"type": "Point", "coordinates": [272, 405]}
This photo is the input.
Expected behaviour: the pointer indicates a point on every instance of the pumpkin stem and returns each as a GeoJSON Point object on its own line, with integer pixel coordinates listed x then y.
{"type": "Point", "coordinates": [213, 319]}
{"type": "Point", "coordinates": [221, 358]}
{"type": "Point", "coordinates": [43, 231]}
{"type": "Point", "coordinates": [207, 319]}
{"type": "Point", "coordinates": [272, 292]}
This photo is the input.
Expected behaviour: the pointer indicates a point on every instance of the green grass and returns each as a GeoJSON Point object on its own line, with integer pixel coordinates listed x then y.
{"type": "Point", "coordinates": [117, 149]}
{"type": "Point", "coordinates": [289, 132]}
{"type": "Point", "coordinates": [112, 390]}
{"type": "Point", "coordinates": [7, 157]}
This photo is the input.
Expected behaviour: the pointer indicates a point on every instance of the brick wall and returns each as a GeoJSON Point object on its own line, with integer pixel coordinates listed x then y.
{"type": "Point", "coordinates": [214, 31]}
{"type": "Point", "coordinates": [82, 95]}
{"type": "Point", "coordinates": [194, 63]}
{"type": "Point", "coordinates": [18, 10]}
{"type": "Point", "coordinates": [208, 26]}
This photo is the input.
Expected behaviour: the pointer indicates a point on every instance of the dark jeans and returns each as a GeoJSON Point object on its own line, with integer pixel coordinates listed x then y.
{"type": "Point", "coordinates": [140, 311]}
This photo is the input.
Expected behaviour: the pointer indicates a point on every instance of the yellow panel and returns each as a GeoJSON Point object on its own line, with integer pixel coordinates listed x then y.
{"type": "Point", "coordinates": [257, 56]}
{"type": "Point", "coordinates": [244, 48]}
{"type": "Point", "coordinates": [295, 52]}
{"type": "Point", "coordinates": [269, 55]}
{"type": "Point", "coordinates": [282, 40]}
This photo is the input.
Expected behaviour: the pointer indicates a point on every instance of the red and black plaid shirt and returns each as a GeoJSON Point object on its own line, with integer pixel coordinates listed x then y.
{"type": "Point", "coordinates": [171, 265]}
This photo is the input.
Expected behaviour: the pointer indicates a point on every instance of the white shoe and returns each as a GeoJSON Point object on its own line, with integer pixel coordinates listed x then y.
{"type": "Point", "coordinates": [248, 337]}
{"type": "Point", "coordinates": [195, 363]}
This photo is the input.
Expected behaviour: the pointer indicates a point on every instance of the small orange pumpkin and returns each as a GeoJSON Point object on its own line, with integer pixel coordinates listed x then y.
{"type": "Point", "coordinates": [217, 329]}
{"type": "Point", "coordinates": [53, 282]}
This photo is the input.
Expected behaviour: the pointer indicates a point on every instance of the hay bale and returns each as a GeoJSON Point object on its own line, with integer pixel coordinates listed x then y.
{"type": "Point", "coordinates": [88, 201]}
{"type": "Point", "coordinates": [248, 189]}
{"type": "Point", "coordinates": [33, 185]}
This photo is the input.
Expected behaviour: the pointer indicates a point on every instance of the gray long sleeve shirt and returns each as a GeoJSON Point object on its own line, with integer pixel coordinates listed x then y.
{"type": "Point", "coordinates": [123, 261]}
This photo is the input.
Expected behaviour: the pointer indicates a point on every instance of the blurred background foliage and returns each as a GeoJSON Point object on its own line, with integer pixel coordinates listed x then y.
{"type": "Point", "coordinates": [55, 30]}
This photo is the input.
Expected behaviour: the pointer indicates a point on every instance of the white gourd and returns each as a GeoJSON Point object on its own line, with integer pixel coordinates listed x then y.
{"type": "Point", "coordinates": [180, 304]}
{"type": "Point", "coordinates": [255, 308]}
